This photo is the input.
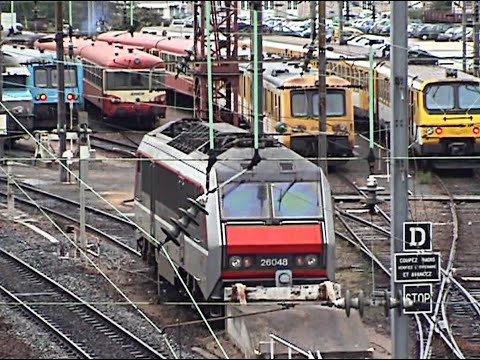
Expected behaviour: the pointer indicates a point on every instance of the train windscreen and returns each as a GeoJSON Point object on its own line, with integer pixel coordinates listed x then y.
{"type": "Point", "coordinates": [47, 77]}
{"type": "Point", "coordinates": [127, 80]}
{"type": "Point", "coordinates": [305, 103]}
{"type": "Point", "coordinates": [452, 97]}
{"type": "Point", "coordinates": [271, 200]}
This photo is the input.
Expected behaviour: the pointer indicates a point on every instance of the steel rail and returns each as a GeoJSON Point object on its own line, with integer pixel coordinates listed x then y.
{"type": "Point", "coordinates": [66, 292]}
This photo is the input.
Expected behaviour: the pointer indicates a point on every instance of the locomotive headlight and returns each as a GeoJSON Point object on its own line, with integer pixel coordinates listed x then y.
{"type": "Point", "coordinates": [430, 131]}
{"type": "Point", "coordinates": [235, 262]}
{"type": "Point", "coordinates": [341, 128]}
{"type": "Point", "coordinates": [247, 262]}
{"type": "Point", "coordinates": [18, 109]}
{"type": "Point", "coordinates": [311, 260]}
{"type": "Point", "coordinates": [300, 261]}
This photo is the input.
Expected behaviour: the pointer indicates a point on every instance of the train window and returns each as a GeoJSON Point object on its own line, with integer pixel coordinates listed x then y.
{"type": "Point", "coordinates": [158, 80]}
{"type": "Point", "coordinates": [245, 200]}
{"type": "Point", "coordinates": [296, 199]}
{"type": "Point", "coordinates": [335, 103]}
{"type": "Point", "coordinates": [125, 80]}
{"type": "Point", "coordinates": [70, 77]}
{"type": "Point", "coordinates": [469, 96]}
{"type": "Point", "coordinates": [300, 104]}
{"type": "Point", "coordinates": [14, 81]}
{"type": "Point", "coordinates": [439, 97]}
{"type": "Point", "coordinates": [41, 78]}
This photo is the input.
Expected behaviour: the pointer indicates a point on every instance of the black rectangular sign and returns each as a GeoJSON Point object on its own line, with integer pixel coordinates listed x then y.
{"type": "Point", "coordinates": [410, 267]}
{"type": "Point", "coordinates": [421, 295]}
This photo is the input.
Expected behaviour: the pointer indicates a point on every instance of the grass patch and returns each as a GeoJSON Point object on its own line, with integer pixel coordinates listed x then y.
{"type": "Point", "coordinates": [424, 177]}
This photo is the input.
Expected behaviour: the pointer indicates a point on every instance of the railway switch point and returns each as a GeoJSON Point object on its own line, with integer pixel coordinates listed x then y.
{"type": "Point", "coordinates": [372, 189]}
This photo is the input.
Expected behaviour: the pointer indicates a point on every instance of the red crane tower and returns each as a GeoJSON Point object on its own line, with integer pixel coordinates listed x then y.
{"type": "Point", "coordinates": [224, 53]}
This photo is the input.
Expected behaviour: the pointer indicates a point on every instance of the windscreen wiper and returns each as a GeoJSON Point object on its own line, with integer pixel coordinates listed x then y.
{"type": "Point", "coordinates": [285, 192]}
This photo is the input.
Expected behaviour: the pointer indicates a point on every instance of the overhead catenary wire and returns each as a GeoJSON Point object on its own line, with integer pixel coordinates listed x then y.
{"type": "Point", "coordinates": [92, 263]}
{"type": "Point", "coordinates": [139, 228]}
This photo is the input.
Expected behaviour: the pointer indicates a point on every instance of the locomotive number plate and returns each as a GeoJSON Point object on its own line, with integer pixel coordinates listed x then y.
{"type": "Point", "coordinates": [274, 261]}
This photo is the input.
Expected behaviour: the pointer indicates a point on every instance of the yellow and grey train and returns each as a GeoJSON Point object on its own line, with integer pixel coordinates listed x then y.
{"type": "Point", "coordinates": [291, 107]}
{"type": "Point", "coordinates": [444, 103]}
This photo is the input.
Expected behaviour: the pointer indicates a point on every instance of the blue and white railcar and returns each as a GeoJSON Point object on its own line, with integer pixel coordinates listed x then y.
{"type": "Point", "coordinates": [43, 85]}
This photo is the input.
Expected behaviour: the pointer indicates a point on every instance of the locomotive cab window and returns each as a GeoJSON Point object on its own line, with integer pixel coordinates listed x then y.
{"type": "Point", "coordinates": [70, 77]}
{"type": "Point", "coordinates": [41, 79]}
{"type": "Point", "coordinates": [335, 103]}
{"type": "Point", "coordinates": [126, 80]}
{"type": "Point", "coordinates": [439, 97]}
{"type": "Point", "coordinates": [305, 103]}
{"type": "Point", "coordinates": [454, 97]}
{"type": "Point", "coordinates": [296, 200]}
{"type": "Point", "coordinates": [469, 96]}
{"type": "Point", "coordinates": [245, 200]}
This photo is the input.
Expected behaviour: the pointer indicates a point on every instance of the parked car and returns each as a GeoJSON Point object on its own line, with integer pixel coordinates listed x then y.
{"type": "Point", "coordinates": [412, 29]}
{"type": "Point", "coordinates": [431, 31]}
{"type": "Point", "coordinates": [366, 40]}
{"type": "Point", "coordinates": [378, 25]}
{"type": "Point", "coordinates": [452, 34]}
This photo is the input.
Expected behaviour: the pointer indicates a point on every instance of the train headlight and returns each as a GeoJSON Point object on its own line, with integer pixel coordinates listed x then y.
{"type": "Point", "coordinates": [311, 260]}
{"type": "Point", "coordinates": [247, 262]}
{"type": "Point", "coordinates": [18, 109]}
{"type": "Point", "coordinates": [235, 262]}
{"type": "Point", "coordinates": [430, 131]}
{"type": "Point", "coordinates": [341, 128]}
{"type": "Point", "coordinates": [300, 261]}
{"type": "Point", "coordinates": [281, 128]}
{"type": "Point", "coordinates": [115, 100]}
{"type": "Point", "coordinates": [42, 97]}
{"type": "Point", "coordinates": [476, 130]}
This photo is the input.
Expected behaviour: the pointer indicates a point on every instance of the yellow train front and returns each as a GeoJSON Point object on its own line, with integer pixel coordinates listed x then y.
{"type": "Point", "coordinates": [291, 106]}
{"type": "Point", "coordinates": [446, 119]}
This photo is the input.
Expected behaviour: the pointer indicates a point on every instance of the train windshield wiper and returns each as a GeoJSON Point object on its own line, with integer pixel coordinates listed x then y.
{"type": "Point", "coordinates": [285, 192]}
{"type": "Point", "coordinates": [234, 186]}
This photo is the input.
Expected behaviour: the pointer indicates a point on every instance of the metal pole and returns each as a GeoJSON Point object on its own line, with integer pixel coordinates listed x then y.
{"type": "Point", "coordinates": [70, 21]}
{"type": "Point", "coordinates": [371, 112]}
{"type": "Point", "coordinates": [322, 89]}
{"type": "Point", "coordinates": [10, 192]}
{"type": "Point", "coordinates": [83, 174]}
{"type": "Point", "coordinates": [257, 71]}
{"type": "Point", "coordinates": [208, 23]}
{"type": "Point", "coordinates": [61, 111]}
{"type": "Point", "coordinates": [12, 11]}
{"type": "Point", "coordinates": [399, 161]}
{"type": "Point", "coordinates": [90, 18]}
{"type": "Point", "coordinates": [313, 19]}
{"type": "Point", "coordinates": [341, 23]}
{"type": "Point", "coordinates": [476, 40]}
{"type": "Point", "coordinates": [464, 36]}
{"type": "Point", "coordinates": [131, 12]}
{"type": "Point", "coordinates": [2, 111]}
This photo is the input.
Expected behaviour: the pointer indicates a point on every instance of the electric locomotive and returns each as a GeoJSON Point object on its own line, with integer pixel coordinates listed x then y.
{"type": "Point", "coordinates": [262, 218]}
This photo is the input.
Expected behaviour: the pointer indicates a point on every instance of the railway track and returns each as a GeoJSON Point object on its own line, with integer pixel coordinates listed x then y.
{"type": "Point", "coordinates": [83, 330]}
{"type": "Point", "coordinates": [115, 229]}
{"type": "Point", "coordinates": [457, 330]}
{"type": "Point", "coordinates": [115, 146]}
{"type": "Point", "coordinates": [461, 305]}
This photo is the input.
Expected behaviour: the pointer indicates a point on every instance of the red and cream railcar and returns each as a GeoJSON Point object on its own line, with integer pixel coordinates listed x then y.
{"type": "Point", "coordinates": [122, 82]}
{"type": "Point", "coordinates": [171, 50]}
